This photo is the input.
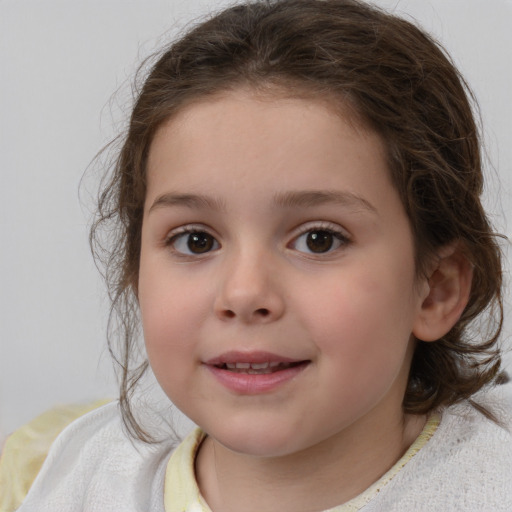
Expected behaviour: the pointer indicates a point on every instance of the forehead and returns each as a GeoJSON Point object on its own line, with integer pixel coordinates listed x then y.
{"type": "Point", "coordinates": [243, 132]}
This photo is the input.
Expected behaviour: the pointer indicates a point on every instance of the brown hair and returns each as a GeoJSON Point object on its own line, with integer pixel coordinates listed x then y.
{"type": "Point", "coordinates": [401, 83]}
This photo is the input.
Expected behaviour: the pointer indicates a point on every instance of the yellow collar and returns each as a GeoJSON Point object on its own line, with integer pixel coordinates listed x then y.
{"type": "Point", "coordinates": [182, 494]}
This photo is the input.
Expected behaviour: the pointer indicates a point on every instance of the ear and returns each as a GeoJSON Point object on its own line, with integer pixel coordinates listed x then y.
{"type": "Point", "coordinates": [448, 290]}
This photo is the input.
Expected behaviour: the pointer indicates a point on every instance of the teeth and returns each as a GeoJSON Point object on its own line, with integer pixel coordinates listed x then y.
{"type": "Point", "coordinates": [254, 368]}
{"type": "Point", "coordinates": [259, 366]}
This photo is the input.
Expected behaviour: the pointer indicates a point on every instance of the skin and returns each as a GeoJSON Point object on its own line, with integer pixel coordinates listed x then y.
{"type": "Point", "coordinates": [241, 168]}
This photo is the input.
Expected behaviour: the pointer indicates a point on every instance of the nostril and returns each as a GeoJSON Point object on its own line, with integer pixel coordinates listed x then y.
{"type": "Point", "coordinates": [258, 313]}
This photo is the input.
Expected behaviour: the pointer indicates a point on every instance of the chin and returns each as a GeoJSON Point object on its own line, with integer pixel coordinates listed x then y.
{"type": "Point", "coordinates": [259, 442]}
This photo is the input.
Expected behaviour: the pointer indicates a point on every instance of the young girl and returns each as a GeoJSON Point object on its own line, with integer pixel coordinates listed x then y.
{"type": "Point", "coordinates": [297, 221]}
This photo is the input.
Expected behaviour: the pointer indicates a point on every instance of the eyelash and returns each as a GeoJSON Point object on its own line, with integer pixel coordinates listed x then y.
{"type": "Point", "coordinates": [339, 237]}
{"type": "Point", "coordinates": [336, 237]}
{"type": "Point", "coordinates": [182, 233]}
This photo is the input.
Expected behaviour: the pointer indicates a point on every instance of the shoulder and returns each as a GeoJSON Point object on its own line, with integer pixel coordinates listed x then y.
{"type": "Point", "coordinates": [95, 466]}
{"type": "Point", "coordinates": [26, 449]}
{"type": "Point", "coordinates": [466, 465]}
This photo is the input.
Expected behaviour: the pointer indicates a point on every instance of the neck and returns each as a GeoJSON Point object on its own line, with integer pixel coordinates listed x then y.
{"type": "Point", "coordinates": [317, 478]}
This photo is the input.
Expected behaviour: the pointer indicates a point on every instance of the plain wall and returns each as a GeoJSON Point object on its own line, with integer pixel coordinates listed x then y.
{"type": "Point", "coordinates": [60, 63]}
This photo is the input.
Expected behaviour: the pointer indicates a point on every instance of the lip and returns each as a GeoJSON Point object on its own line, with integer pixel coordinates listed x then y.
{"type": "Point", "coordinates": [254, 383]}
{"type": "Point", "coordinates": [235, 356]}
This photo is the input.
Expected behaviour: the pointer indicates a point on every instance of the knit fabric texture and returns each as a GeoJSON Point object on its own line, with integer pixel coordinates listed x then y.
{"type": "Point", "coordinates": [466, 465]}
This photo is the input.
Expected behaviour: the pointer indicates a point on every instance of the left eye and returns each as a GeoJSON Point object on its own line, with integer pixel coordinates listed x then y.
{"type": "Point", "coordinates": [193, 243]}
{"type": "Point", "coordinates": [319, 241]}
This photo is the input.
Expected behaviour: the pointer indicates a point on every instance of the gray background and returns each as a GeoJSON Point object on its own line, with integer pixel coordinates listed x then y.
{"type": "Point", "coordinates": [60, 63]}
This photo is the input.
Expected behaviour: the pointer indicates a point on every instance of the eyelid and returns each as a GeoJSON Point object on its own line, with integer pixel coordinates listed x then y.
{"type": "Point", "coordinates": [321, 225]}
{"type": "Point", "coordinates": [188, 228]}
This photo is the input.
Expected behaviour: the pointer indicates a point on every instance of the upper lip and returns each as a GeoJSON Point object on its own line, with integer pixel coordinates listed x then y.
{"type": "Point", "coordinates": [255, 357]}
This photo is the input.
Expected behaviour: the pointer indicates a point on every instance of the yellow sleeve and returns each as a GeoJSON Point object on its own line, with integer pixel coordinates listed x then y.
{"type": "Point", "coordinates": [25, 451]}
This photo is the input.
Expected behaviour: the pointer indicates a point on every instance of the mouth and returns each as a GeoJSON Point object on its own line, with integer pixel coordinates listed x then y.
{"type": "Point", "coordinates": [252, 373]}
{"type": "Point", "coordinates": [258, 368]}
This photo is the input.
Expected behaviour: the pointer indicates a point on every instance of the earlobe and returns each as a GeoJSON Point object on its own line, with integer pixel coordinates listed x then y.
{"type": "Point", "coordinates": [449, 287]}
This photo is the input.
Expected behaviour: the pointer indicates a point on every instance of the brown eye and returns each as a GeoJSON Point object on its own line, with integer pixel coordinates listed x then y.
{"type": "Point", "coordinates": [320, 241]}
{"type": "Point", "coordinates": [193, 243]}
{"type": "Point", "coordinates": [199, 243]}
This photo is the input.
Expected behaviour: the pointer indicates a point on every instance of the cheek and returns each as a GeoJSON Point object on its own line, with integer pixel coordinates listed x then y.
{"type": "Point", "coordinates": [363, 318]}
{"type": "Point", "coordinates": [169, 347]}
{"type": "Point", "coordinates": [168, 320]}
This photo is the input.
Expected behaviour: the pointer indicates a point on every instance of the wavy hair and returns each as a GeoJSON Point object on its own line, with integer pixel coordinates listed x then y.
{"type": "Point", "coordinates": [400, 83]}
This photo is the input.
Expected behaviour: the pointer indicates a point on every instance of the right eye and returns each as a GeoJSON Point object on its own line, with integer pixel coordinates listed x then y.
{"type": "Point", "coordinates": [193, 243]}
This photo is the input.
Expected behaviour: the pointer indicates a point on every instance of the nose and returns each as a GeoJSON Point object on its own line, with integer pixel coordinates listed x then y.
{"type": "Point", "coordinates": [249, 291]}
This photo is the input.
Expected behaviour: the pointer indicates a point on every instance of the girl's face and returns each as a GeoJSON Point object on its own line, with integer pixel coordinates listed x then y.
{"type": "Point", "coordinates": [277, 281]}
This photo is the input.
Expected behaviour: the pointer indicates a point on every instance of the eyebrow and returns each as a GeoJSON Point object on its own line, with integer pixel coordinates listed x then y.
{"type": "Point", "coordinates": [309, 198]}
{"type": "Point", "coordinates": [193, 201]}
{"type": "Point", "coordinates": [291, 199]}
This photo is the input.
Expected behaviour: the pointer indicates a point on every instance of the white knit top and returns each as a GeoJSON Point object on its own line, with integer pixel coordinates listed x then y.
{"type": "Point", "coordinates": [93, 466]}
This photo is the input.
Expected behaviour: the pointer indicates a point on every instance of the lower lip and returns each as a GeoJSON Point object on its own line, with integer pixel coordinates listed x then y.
{"type": "Point", "coordinates": [254, 384]}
